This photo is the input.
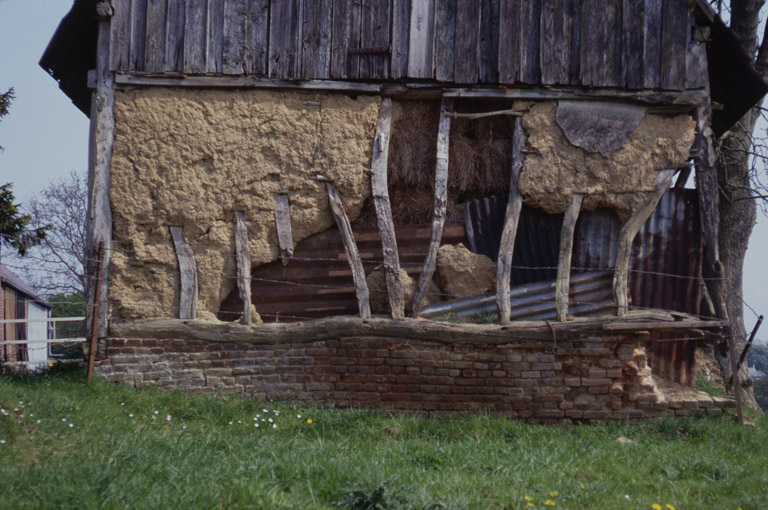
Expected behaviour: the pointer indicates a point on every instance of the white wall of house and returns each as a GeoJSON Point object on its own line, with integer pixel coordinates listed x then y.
{"type": "Point", "coordinates": [37, 351]}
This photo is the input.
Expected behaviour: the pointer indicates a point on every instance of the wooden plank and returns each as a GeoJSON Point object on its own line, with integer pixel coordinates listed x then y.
{"type": "Point", "coordinates": [130, 79]}
{"type": "Point", "coordinates": [652, 44]}
{"type": "Point", "coordinates": [665, 325]}
{"type": "Point", "coordinates": [154, 46]}
{"type": "Point", "coordinates": [441, 199]}
{"type": "Point", "coordinates": [234, 46]}
{"type": "Point", "coordinates": [376, 18]}
{"type": "Point", "coordinates": [632, 42]}
{"type": "Point", "coordinates": [214, 37]}
{"type": "Point", "coordinates": [194, 36]}
{"type": "Point", "coordinates": [466, 49]}
{"type": "Point", "coordinates": [316, 39]}
{"type": "Point", "coordinates": [401, 27]}
{"type": "Point", "coordinates": [675, 34]}
{"type": "Point", "coordinates": [564, 259]}
{"type": "Point", "coordinates": [509, 232]}
{"type": "Point", "coordinates": [696, 66]}
{"type": "Point", "coordinates": [601, 44]}
{"type": "Point", "coordinates": [187, 274]}
{"type": "Point", "coordinates": [174, 36]}
{"type": "Point", "coordinates": [611, 71]}
{"type": "Point", "coordinates": [346, 36]}
{"type": "Point", "coordinates": [509, 41]}
{"type": "Point", "coordinates": [488, 65]}
{"type": "Point", "coordinates": [421, 43]}
{"type": "Point", "coordinates": [445, 35]}
{"type": "Point", "coordinates": [284, 39]}
{"type": "Point", "coordinates": [102, 135]}
{"type": "Point", "coordinates": [530, 68]}
{"type": "Point", "coordinates": [283, 224]}
{"type": "Point", "coordinates": [627, 236]}
{"type": "Point", "coordinates": [257, 28]}
{"type": "Point", "coordinates": [350, 248]}
{"type": "Point", "coordinates": [574, 67]}
{"type": "Point", "coordinates": [138, 34]}
{"type": "Point", "coordinates": [243, 265]}
{"type": "Point", "coordinates": [386, 224]}
{"type": "Point", "coordinates": [120, 37]}
{"type": "Point", "coordinates": [555, 35]}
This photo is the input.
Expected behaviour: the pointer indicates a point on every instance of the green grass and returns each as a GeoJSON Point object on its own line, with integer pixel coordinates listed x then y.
{"type": "Point", "coordinates": [210, 455]}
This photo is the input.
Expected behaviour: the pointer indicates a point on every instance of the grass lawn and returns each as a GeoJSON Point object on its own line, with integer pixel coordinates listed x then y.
{"type": "Point", "coordinates": [68, 444]}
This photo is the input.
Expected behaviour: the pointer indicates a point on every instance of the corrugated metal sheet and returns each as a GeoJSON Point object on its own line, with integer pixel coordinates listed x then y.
{"type": "Point", "coordinates": [317, 281]}
{"type": "Point", "coordinates": [666, 258]}
{"type": "Point", "coordinates": [589, 294]}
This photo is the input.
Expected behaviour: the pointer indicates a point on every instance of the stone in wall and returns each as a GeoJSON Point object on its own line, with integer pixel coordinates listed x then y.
{"type": "Point", "coordinates": [190, 158]}
{"type": "Point", "coordinates": [556, 169]}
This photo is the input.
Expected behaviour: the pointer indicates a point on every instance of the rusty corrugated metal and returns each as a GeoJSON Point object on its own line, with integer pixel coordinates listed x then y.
{"type": "Point", "coordinates": [590, 294]}
{"type": "Point", "coordinates": [317, 281]}
{"type": "Point", "coordinates": [666, 259]}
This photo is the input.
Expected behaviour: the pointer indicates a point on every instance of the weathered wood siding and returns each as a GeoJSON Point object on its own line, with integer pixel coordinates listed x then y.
{"type": "Point", "coordinates": [600, 43]}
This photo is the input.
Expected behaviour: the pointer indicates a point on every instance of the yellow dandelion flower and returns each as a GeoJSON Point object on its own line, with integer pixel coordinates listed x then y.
{"type": "Point", "coordinates": [309, 421]}
{"type": "Point", "coordinates": [553, 494]}
{"type": "Point", "coordinates": [527, 498]}
{"type": "Point", "coordinates": [656, 506]}
{"type": "Point", "coordinates": [670, 507]}
{"type": "Point", "coordinates": [581, 486]}
{"type": "Point", "coordinates": [549, 502]}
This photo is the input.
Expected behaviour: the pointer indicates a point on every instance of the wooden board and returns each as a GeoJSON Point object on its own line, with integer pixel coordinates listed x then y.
{"type": "Point", "coordinates": [633, 19]}
{"type": "Point", "coordinates": [421, 43]}
{"type": "Point", "coordinates": [401, 28]}
{"type": "Point", "coordinates": [652, 43]}
{"type": "Point", "coordinates": [234, 43]}
{"type": "Point", "coordinates": [346, 36]}
{"type": "Point", "coordinates": [120, 36]}
{"type": "Point", "coordinates": [445, 35]}
{"type": "Point", "coordinates": [256, 52]}
{"type": "Point", "coordinates": [466, 49]}
{"type": "Point", "coordinates": [138, 34]}
{"type": "Point", "coordinates": [488, 65]}
{"type": "Point", "coordinates": [284, 39]}
{"type": "Point", "coordinates": [187, 274]}
{"type": "Point", "coordinates": [283, 224]}
{"type": "Point", "coordinates": [174, 36]}
{"type": "Point", "coordinates": [194, 37]}
{"type": "Point", "coordinates": [243, 265]}
{"type": "Point", "coordinates": [214, 37]}
{"type": "Point", "coordinates": [154, 45]}
{"type": "Point", "coordinates": [674, 44]}
{"type": "Point", "coordinates": [564, 257]}
{"type": "Point", "coordinates": [555, 35]}
{"type": "Point", "coordinates": [509, 41]}
{"type": "Point", "coordinates": [316, 39]}
{"type": "Point", "coordinates": [375, 33]}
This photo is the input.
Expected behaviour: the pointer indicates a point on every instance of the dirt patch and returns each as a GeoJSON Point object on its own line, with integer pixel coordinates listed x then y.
{"type": "Point", "coordinates": [379, 296]}
{"type": "Point", "coordinates": [461, 273]}
{"type": "Point", "coordinates": [190, 158]}
{"type": "Point", "coordinates": [557, 169]}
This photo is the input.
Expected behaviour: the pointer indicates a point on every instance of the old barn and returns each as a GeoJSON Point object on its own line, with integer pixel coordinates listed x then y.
{"type": "Point", "coordinates": [432, 205]}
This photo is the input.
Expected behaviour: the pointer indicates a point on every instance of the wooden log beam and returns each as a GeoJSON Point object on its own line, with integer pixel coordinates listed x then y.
{"type": "Point", "coordinates": [509, 232]}
{"type": "Point", "coordinates": [627, 235]}
{"type": "Point", "coordinates": [243, 265]}
{"type": "Point", "coordinates": [102, 135]}
{"type": "Point", "coordinates": [350, 247]}
{"type": "Point", "coordinates": [409, 329]}
{"type": "Point", "coordinates": [283, 223]}
{"type": "Point", "coordinates": [187, 274]}
{"type": "Point", "coordinates": [564, 259]}
{"type": "Point", "coordinates": [441, 200]}
{"type": "Point", "coordinates": [383, 206]}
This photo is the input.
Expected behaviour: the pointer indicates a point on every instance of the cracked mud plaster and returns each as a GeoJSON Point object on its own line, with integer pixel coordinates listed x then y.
{"type": "Point", "coordinates": [558, 169]}
{"type": "Point", "coordinates": [190, 158]}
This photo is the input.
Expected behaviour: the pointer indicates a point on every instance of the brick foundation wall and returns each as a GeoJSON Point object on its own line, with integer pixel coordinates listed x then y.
{"type": "Point", "coordinates": [596, 378]}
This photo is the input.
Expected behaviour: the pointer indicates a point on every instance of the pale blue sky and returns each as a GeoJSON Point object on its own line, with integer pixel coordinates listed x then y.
{"type": "Point", "coordinates": [45, 136]}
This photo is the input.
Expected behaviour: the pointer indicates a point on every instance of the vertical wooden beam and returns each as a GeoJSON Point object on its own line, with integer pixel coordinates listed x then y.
{"type": "Point", "coordinates": [283, 223]}
{"type": "Point", "coordinates": [102, 135]}
{"type": "Point", "coordinates": [441, 200]}
{"type": "Point", "coordinates": [350, 247]}
{"type": "Point", "coordinates": [243, 265]}
{"type": "Point", "coordinates": [384, 210]}
{"type": "Point", "coordinates": [627, 236]}
{"type": "Point", "coordinates": [188, 274]}
{"type": "Point", "coordinates": [564, 259]}
{"type": "Point", "coordinates": [509, 232]}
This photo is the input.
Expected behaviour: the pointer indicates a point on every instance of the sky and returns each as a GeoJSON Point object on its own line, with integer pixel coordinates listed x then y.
{"type": "Point", "coordinates": [45, 136]}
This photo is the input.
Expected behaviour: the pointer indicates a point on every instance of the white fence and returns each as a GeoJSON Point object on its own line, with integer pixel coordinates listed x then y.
{"type": "Point", "coordinates": [39, 348]}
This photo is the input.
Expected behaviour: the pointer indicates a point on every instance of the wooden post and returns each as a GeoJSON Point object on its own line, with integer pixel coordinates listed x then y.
{"type": "Point", "coordinates": [188, 274]}
{"type": "Point", "coordinates": [350, 247]}
{"type": "Point", "coordinates": [441, 200]}
{"type": "Point", "coordinates": [95, 315]}
{"type": "Point", "coordinates": [509, 232]}
{"type": "Point", "coordinates": [243, 265]}
{"type": "Point", "coordinates": [384, 210]}
{"type": "Point", "coordinates": [283, 222]}
{"type": "Point", "coordinates": [627, 235]}
{"type": "Point", "coordinates": [102, 134]}
{"type": "Point", "coordinates": [564, 259]}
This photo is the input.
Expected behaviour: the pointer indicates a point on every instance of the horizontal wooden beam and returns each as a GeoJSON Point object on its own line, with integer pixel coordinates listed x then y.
{"type": "Point", "coordinates": [683, 324]}
{"type": "Point", "coordinates": [409, 329]}
{"type": "Point", "coordinates": [425, 90]}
